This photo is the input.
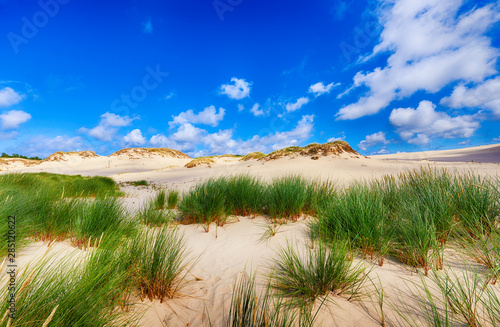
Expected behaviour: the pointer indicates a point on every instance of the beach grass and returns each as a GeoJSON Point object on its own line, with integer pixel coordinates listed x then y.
{"type": "Point", "coordinates": [205, 203]}
{"type": "Point", "coordinates": [173, 199]}
{"type": "Point", "coordinates": [286, 197]}
{"type": "Point", "coordinates": [245, 195]}
{"type": "Point", "coordinates": [358, 216]}
{"type": "Point", "coordinates": [302, 278]}
{"type": "Point", "coordinates": [69, 292]}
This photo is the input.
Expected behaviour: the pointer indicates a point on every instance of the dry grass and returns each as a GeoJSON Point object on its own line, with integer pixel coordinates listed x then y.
{"type": "Point", "coordinates": [253, 156]}
{"type": "Point", "coordinates": [61, 156]}
{"type": "Point", "coordinates": [313, 150]}
{"type": "Point", "coordinates": [200, 161]}
{"type": "Point", "coordinates": [137, 153]}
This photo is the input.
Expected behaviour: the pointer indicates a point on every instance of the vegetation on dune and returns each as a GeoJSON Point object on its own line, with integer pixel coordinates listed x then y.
{"type": "Point", "coordinates": [286, 197]}
{"type": "Point", "coordinates": [302, 278]}
{"type": "Point", "coordinates": [200, 161]}
{"type": "Point", "coordinates": [313, 150]}
{"type": "Point", "coordinates": [205, 203]}
{"type": "Point", "coordinates": [142, 182]}
{"type": "Point", "coordinates": [15, 155]}
{"type": "Point", "coordinates": [253, 156]}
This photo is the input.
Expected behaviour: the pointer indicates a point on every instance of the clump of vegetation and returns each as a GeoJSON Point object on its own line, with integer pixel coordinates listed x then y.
{"type": "Point", "coordinates": [15, 155]}
{"type": "Point", "coordinates": [205, 203]}
{"type": "Point", "coordinates": [253, 156]}
{"type": "Point", "coordinates": [140, 183]}
{"type": "Point", "coordinates": [68, 292]}
{"type": "Point", "coordinates": [358, 216]}
{"type": "Point", "coordinates": [157, 261]}
{"type": "Point", "coordinates": [244, 195]}
{"type": "Point", "coordinates": [200, 161]}
{"type": "Point", "coordinates": [302, 279]}
{"type": "Point", "coordinates": [153, 217]}
{"type": "Point", "coordinates": [248, 308]}
{"type": "Point", "coordinates": [160, 200]}
{"type": "Point", "coordinates": [172, 199]}
{"type": "Point", "coordinates": [286, 197]}
{"type": "Point", "coordinates": [313, 150]}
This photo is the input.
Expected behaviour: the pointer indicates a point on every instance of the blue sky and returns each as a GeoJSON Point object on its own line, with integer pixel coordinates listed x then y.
{"type": "Point", "coordinates": [235, 76]}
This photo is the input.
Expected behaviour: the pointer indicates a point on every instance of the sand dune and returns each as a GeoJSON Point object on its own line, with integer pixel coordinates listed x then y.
{"type": "Point", "coordinates": [226, 252]}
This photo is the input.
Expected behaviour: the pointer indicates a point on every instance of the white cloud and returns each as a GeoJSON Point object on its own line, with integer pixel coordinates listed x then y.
{"type": "Point", "coordinates": [108, 126]}
{"type": "Point", "coordinates": [45, 146]}
{"type": "Point", "coordinates": [418, 126]}
{"type": "Point", "coordinates": [373, 140]}
{"type": "Point", "coordinates": [496, 139]}
{"type": "Point", "coordinates": [134, 138]}
{"type": "Point", "coordinates": [208, 116]}
{"type": "Point", "coordinates": [14, 118]}
{"type": "Point", "coordinates": [257, 111]}
{"type": "Point", "coordinates": [290, 107]}
{"type": "Point", "coordinates": [333, 139]}
{"type": "Point", "coordinates": [485, 96]}
{"type": "Point", "coordinates": [9, 97]}
{"type": "Point", "coordinates": [238, 90]}
{"type": "Point", "coordinates": [189, 138]}
{"type": "Point", "coordinates": [159, 140]}
{"type": "Point", "coordinates": [431, 46]}
{"type": "Point", "coordinates": [320, 89]}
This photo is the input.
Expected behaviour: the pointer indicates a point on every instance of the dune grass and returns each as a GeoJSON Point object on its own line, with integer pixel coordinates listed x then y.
{"type": "Point", "coordinates": [205, 203]}
{"type": "Point", "coordinates": [140, 183]}
{"type": "Point", "coordinates": [358, 216]}
{"type": "Point", "coordinates": [286, 197]}
{"type": "Point", "coordinates": [253, 309]}
{"type": "Point", "coordinates": [172, 199]}
{"type": "Point", "coordinates": [244, 195]}
{"type": "Point", "coordinates": [150, 216]}
{"type": "Point", "coordinates": [159, 262]}
{"type": "Point", "coordinates": [69, 292]}
{"type": "Point", "coordinates": [67, 185]}
{"type": "Point", "coordinates": [302, 278]}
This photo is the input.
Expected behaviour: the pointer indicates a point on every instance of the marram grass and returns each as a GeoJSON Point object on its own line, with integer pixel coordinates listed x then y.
{"type": "Point", "coordinates": [302, 278]}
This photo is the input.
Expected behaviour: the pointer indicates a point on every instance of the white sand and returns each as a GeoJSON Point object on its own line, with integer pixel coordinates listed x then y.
{"type": "Point", "coordinates": [237, 247]}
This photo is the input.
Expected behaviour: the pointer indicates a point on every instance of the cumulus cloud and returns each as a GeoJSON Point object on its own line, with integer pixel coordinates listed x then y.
{"type": "Point", "coordinates": [9, 97]}
{"type": "Point", "coordinates": [45, 146]}
{"type": "Point", "coordinates": [134, 138]}
{"type": "Point", "coordinates": [199, 142]}
{"type": "Point", "coordinates": [372, 140]}
{"type": "Point", "coordinates": [239, 89]}
{"type": "Point", "coordinates": [420, 125]}
{"type": "Point", "coordinates": [431, 46]}
{"type": "Point", "coordinates": [485, 95]}
{"type": "Point", "coordinates": [14, 118]}
{"type": "Point", "coordinates": [290, 107]}
{"type": "Point", "coordinates": [208, 116]}
{"type": "Point", "coordinates": [320, 88]}
{"type": "Point", "coordinates": [257, 111]}
{"type": "Point", "coordinates": [108, 126]}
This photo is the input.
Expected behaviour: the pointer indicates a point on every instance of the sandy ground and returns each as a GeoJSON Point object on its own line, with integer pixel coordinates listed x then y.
{"type": "Point", "coordinates": [222, 254]}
